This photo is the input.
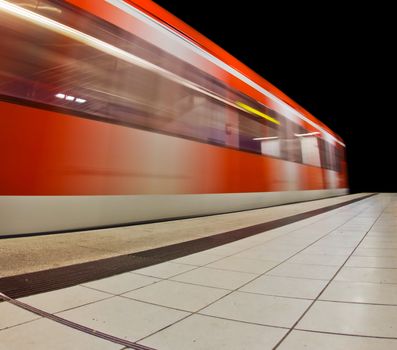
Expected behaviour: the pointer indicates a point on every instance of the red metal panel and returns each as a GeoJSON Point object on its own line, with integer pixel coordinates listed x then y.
{"type": "Point", "coordinates": [48, 153]}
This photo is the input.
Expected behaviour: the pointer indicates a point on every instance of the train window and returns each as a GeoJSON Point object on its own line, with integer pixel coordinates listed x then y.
{"type": "Point", "coordinates": [322, 150]}
{"type": "Point", "coordinates": [337, 157]}
{"type": "Point", "coordinates": [295, 145]}
{"type": "Point", "coordinates": [342, 158]}
{"type": "Point", "coordinates": [255, 132]}
{"type": "Point", "coordinates": [337, 166]}
{"type": "Point", "coordinates": [331, 155]}
{"type": "Point", "coordinates": [145, 87]}
{"type": "Point", "coordinates": [310, 149]}
{"type": "Point", "coordinates": [290, 141]}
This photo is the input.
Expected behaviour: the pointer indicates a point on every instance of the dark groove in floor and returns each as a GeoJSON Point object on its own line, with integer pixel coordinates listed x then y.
{"type": "Point", "coordinates": [43, 281]}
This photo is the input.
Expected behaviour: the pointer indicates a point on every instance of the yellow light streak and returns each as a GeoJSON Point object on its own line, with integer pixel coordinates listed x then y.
{"type": "Point", "coordinates": [256, 112]}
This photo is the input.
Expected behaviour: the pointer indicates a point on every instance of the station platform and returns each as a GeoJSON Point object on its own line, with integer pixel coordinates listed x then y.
{"type": "Point", "coordinates": [319, 274]}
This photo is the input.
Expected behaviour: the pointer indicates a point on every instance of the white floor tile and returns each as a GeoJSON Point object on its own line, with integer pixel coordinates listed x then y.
{"type": "Point", "coordinates": [164, 270]}
{"type": "Point", "coordinates": [290, 240]}
{"type": "Point", "coordinates": [327, 260]}
{"type": "Point", "coordinates": [64, 299]}
{"type": "Point", "coordinates": [301, 340]}
{"type": "Point", "coordinates": [266, 253]}
{"type": "Point", "coordinates": [391, 240]}
{"type": "Point", "coordinates": [123, 317]}
{"type": "Point", "coordinates": [256, 308]}
{"type": "Point", "coordinates": [387, 234]}
{"type": "Point", "coordinates": [178, 295]}
{"type": "Point", "coordinates": [384, 229]}
{"type": "Point", "coordinates": [386, 252]}
{"type": "Point", "coordinates": [338, 242]}
{"type": "Point", "coordinates": [367, 274]}
{"type": "Point", "coordinates": [228, 249]}
{"type": "Point", "coordinates": [372, 261]}
{"type": "Point", "coordinates": [121, 283]}
{"type": "Point", "coordinates": [286, 286]}
{"type": "Point", "coordinates": [199, 332]}
{"type": "Point", "coordinates": [346, 318]}
{"type": "Point", "coordinates": [285, 245]}
{"type": "Point", "coordinates": [354, 228]}
{"type": "Point", "coordinates": [328, 250]}
{"type": "Point", "coordinates": [232, 263]}
{"type": "Point", "coordinates": [11, 315]}
{"type": "Point", "coordinates": [46, 334]}
{"type": "Point", "coordinates": [242, 243]}
{"type": "Point", "coordinates": [361, 292]}
{"type": "Point", "coordinates": [198, 259]}
{"type": "Point", "coordinates": [378, 245]}
{"type": "Point", "coordinates": [216, 278]}
{"type": "Point", "coordinates": [304, 271]}
{"type": "Point", "coordinates": [347, 236]}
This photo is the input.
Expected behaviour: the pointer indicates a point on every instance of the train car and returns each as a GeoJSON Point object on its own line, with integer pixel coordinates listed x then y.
{"type": "Point", "coordinates": [115, 112]}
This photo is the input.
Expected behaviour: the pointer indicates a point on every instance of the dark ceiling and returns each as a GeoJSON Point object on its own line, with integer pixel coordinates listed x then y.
{"type": "Point", "coordinates": [334, 60]}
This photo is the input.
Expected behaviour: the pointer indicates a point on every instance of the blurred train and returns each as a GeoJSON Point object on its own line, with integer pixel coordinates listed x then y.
{"type": "Point", "coordinates": [114, 112]}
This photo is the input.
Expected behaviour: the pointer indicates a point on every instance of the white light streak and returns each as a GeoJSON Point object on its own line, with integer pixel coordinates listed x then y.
{"type": "Point", "coordinates": [308, 134]}
{"type": "Point", "coordinates": [265, 138]}
{"type": "Point", "coordinates": [104, 47]}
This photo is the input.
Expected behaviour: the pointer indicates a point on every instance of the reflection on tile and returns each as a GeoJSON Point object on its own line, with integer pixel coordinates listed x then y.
{"type": "Point", "coordinates": [361, 292]}
{"type": "Point", "coordinates": [301, 340]}
{"type": "Point", "coordinates": [216, 278]}
{"type": "Point", "coordinates": [46, 334]}
{"type": "Point", "coordinates": [286, 286]}
{"type": "Point", "coordinates": [345, 318]}
{"type": "Point", "coordinates": [164, 270]}
{"type": "Point", "coordinates": [123, 317]}
{"type": "Point", "coordinates": [64, 299]}
{"type": "Point", "coordinates": [11, 315]}
{"type": "Point", "coordinates": [177, 295]}
{"type": "Point", "coordinates": [121, 283]}
{"type": "Point", "coordinates": [256, 308]}
{"type": "Point", "coordinates": [199, 332]}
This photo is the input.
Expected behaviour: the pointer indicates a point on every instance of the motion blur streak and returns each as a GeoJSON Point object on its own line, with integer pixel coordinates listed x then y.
{"type": "Point", "coordinates": [243, 77]}
{"type": "Point", "coordinates": [100, 45]}
{"type": "Point", "coordinates": [256, 112]}
{"type": "Point", "coordinates": [106, 120]}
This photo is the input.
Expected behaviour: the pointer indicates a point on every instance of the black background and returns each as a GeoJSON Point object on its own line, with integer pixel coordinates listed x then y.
{"type": "Point", "coordinates": [334, 59]}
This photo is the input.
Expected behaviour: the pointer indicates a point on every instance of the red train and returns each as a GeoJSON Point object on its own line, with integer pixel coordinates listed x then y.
{"type": "Point", "coordinates": [113, 112]}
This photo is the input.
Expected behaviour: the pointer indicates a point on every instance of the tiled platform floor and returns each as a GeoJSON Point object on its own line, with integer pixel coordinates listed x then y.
{"type": "Point", "coordinates": [327, 282]}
